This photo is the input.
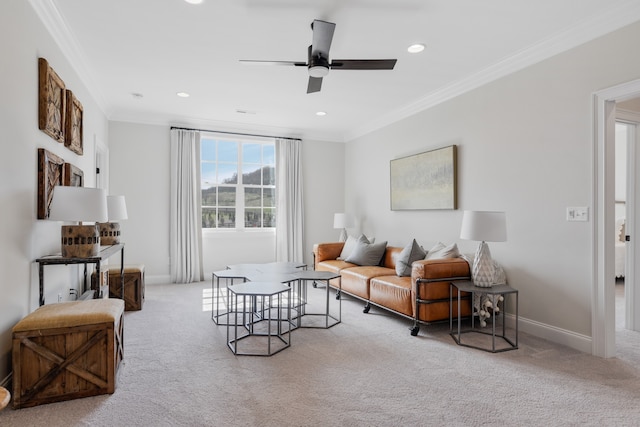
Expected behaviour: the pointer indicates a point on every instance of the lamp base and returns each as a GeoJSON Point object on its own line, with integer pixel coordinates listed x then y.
{"type": "Point", "coordinates": [483, 270]}
{"type": "Point", "coordinates": [80, 241]}
{"type": "Point", "coordinates": [109, 233]}
{"type": "Point", "coordinates": [343, 235]}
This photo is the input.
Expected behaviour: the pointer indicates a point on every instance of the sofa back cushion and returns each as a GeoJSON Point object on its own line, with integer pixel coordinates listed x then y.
{"type": "Point", "coordinates": [391, 255]}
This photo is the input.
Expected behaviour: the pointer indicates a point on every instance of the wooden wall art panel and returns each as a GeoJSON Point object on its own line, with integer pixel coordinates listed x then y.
{"type": "Point", "coordinates": [72, 176]}
{"type": "Point", "coordinates": [50, 174]}
{"type": "Point", "coordinates": [51, 101]}
{"type": "Point", "coordinates": [73, 124]}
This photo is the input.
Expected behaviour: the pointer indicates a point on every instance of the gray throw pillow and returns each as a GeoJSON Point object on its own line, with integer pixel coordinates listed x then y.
{"type": "Point", "coordinates": [349, 244]}
{"type": "Point", "coordinates": [412, 252]}
{"type": "Point", "coordinates": [367, 253]}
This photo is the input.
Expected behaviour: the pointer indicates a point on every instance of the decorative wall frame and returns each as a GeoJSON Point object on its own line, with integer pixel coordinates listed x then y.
{"type": "Point", "coordinates": [72, 176]}
{"type": "Point", "coordinates": [50, 174]}
{"type": "Point", "coordinates": [425, 181]}
{"type": "Point", "coordinates": [73, 124]}
{"type": "Point", "coordinates": [51, 101]}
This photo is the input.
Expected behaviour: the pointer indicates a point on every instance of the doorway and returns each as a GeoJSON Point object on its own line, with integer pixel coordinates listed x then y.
{"type": "Point", "coordinates": [603, 297]}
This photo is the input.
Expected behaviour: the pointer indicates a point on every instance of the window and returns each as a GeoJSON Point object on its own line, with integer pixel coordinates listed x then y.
{"type": "Point", "coordinates": [237, 183]}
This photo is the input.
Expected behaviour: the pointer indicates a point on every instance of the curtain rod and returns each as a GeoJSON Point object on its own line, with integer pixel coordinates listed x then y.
{"type": "Point", "coordinates": [235, 133]}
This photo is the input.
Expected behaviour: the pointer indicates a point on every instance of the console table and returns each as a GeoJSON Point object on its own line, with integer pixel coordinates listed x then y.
{"type": "Point", "coordinates": [468, 286]}
{"type": "Point", "coordinates": [105, 252]}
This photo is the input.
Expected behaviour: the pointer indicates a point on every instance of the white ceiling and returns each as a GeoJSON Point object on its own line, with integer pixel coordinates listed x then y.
{"type": "Point", "coordinates": [160, 47]}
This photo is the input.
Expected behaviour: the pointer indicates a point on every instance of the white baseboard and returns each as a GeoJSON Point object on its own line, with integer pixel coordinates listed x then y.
{"type": "Point", "coordinates": [551, 333]}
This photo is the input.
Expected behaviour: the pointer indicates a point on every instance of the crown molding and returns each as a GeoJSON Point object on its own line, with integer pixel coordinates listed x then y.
{"type": "Point", "coordinates": [587, 30]}
{"type": "Point", "coordinates": [225, 126]}
{"type": "Point", "coordinates": [63, 36]}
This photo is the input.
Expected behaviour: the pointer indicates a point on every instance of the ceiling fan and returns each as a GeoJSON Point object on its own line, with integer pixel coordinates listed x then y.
{"type": "Point", "coordinates": [318, 58]}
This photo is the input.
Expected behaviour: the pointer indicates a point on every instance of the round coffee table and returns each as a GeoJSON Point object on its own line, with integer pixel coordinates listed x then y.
{"type": "Point", "coordinates": [5, 397]}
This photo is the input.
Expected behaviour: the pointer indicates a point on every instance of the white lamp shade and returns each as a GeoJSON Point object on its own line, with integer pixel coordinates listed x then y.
{"type": "Point", "coordinates": [484, 226]}
{"type": "Point", "coordinates": [116, 207]}
{"type": "Point", "coordinates": [78, 204]}
{"type": "Point", "coordinates": [342, 220]}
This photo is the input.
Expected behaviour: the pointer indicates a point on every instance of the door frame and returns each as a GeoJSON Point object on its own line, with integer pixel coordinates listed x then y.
{"type": "Point", "coordinates": [603, 290]}
{"type": "Point", "coordinates": [631, 290]}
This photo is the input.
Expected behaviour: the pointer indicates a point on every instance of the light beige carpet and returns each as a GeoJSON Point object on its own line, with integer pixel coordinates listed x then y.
{"type": "Point", "coordinates": [367, 371]}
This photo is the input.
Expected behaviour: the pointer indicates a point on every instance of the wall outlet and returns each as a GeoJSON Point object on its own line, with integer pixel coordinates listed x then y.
{"type": "Point", "coordinates": [60, 297]}
{"type": "Point", "coordinates": [578, 214]}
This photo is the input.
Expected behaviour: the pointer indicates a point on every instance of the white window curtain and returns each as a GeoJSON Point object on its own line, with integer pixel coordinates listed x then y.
{"type": "Point", "coordinates": [289, 207]}
{"type": "Point", "coordinates": [185, 239]}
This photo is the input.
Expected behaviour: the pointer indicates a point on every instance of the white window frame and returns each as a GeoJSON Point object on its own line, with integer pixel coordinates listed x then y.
{"type": "Point", "coordinates": [240, 187]}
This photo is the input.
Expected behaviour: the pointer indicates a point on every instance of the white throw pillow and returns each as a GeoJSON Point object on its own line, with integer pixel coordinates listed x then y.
{"type": "Point", "coordinates": [440, 251]}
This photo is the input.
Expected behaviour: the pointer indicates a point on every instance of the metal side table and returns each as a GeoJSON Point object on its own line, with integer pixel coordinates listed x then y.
{"type": "Point", "coordinates": [247, 300]}
{"type": "Point", "coordinates": [496, 290]}
{"type": "Point", "coordinates": [317, 276]}
{"type": "Point", "coordinates": [219, 307]}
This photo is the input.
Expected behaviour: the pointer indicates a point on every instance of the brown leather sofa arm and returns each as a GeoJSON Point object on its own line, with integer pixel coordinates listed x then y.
{"type": "Point", "coordinates": [326, 251]}
{"type": "Point", "coordinates": [439, 269]}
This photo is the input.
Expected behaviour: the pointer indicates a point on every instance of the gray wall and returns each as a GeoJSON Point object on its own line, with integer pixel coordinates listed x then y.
{"type": "Point", "coordinates": [139, 159]}
{"type": "Point", "coordinates": [525, 147]}
{"type": "Point", "coordinates": [24, 238]}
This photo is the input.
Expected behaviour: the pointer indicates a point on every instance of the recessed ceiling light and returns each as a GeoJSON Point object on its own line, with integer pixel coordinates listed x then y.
{"type": "Point", "coordinates": [321, 113]}
{"type": "Point", "coordinates": [415, 48]}
{"type": "Point", "coordinates": [194, 1]}
{"type": "Point", "coordinates": [183, 94]}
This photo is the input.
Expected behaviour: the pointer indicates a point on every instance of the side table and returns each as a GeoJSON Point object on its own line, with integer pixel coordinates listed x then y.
{"type": "Point", "coordinates": [317, 276]}
{"type": "Point", "coordinates": [219, 307]}
{"type": "Point", "coordinates": [468, 286]}
{"type": "Point", "coordinates": [249, 298]}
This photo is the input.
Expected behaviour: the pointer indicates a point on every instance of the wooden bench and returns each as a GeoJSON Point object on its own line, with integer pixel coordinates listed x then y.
{"type": "Point", "coordinates": [66, 351]}
{"type": "Point", "coordinates": [133, 285]}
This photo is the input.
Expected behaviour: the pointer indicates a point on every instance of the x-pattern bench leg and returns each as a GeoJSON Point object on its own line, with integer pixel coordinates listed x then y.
{"type": "Point", "coordinates": [63, 364]}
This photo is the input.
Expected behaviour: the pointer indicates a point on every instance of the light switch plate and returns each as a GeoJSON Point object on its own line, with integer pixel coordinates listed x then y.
{"type": "Point", "coordinates": [578, 214]}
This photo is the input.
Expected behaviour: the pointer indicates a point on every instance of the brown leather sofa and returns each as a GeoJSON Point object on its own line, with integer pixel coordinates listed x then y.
{"type": "Point", "coordinates": [423, 297]}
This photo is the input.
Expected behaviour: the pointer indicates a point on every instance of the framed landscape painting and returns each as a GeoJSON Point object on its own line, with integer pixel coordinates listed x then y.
{"type": "Point", "coordinates": [425, 181]}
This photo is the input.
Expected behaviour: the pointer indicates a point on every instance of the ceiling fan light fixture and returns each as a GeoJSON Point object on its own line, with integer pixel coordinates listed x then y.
{"type": "Point", "coordinates": [318, 71]}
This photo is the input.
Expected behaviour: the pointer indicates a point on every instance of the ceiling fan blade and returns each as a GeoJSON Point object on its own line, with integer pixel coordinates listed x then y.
{"type": "Point", "coordinates": [322, 36]}
{"type": "Point", "coordinates": [279, 63]}
{"type": "Point", "coordinates": [363, 64]}
{"type": "Point", "coordinates": [315, 83]}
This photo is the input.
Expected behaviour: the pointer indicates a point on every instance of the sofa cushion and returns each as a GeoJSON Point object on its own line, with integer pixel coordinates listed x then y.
{"type": "Point", "coordinates": [440, 251]}
{"type": "Point", "coordinates": [392, 292]}
{"type": "Point", "coordinates": [367, 253]}
{"type": "Point", "coordinates": [355, 280]}
{"type": "Point", "coordinates": [412, 252]}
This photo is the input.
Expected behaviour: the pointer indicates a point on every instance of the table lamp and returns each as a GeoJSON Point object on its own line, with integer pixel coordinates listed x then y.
{"type": "Point", "coordinates": [343, 221]}
{"type": "Point", "coordinates": [110, 231]}
{"type": "Point", "coordinates": [78, 204]}
{"type": "Point", "coordinates": [484, 227]}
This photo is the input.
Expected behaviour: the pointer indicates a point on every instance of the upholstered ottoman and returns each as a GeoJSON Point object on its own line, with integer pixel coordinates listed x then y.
{"type": "Point", "coordinates": [133, 285]}
{"type": "Point", "coordinates": [66, 351]}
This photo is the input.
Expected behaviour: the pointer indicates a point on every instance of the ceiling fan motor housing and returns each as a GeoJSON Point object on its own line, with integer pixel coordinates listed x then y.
{"type": "Point", "coordinates": [318, 66]}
